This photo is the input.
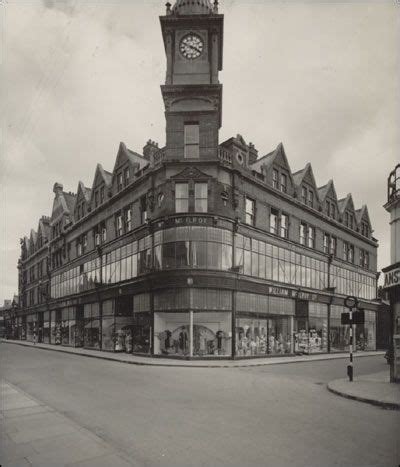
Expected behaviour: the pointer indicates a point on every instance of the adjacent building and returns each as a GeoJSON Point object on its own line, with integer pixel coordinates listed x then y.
{"type": "Point", "coordinates": [392, 273]}
{"type": "Point", "coordinates": [200, 248]}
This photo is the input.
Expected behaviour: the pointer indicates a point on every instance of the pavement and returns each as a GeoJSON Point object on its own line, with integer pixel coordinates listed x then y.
{"type": "Point", "coordinates": [374, 389]}
{"type": "Point", "coordinates": [171, 362]}
{"type": "Point", "coordinates": [33, 434]}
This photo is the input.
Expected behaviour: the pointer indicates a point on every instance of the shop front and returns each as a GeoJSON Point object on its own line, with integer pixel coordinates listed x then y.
{"type": "Point", "coordinates": [193, 322]}
{"type": "Point", "coordinates": [264, 325]}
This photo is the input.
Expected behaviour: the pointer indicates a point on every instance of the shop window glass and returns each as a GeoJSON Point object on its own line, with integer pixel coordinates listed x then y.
{"type": "Point", "coordinates": [199, 254]}
{"type": "Point", "coordinates": [260, 335]}
{"type": "Point", "coordinates": [182, 254]}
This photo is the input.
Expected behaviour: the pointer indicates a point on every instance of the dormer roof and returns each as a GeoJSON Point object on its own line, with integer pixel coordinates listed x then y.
{"type": "Point", "coordinates": [346, 203]}
{"type": "Point", "coordinates": [327, 190]}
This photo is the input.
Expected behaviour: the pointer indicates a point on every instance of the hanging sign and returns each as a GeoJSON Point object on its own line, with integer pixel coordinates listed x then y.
{"type": "Point", "coordinates": [391, 278]}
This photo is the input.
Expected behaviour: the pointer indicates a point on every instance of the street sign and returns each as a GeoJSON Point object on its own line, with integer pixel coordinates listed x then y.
{"type": "Point", "coordinates": [358, 317]}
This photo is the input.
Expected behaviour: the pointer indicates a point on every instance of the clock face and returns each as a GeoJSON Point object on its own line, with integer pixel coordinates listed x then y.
{"type": "Point", "coordinates": [191, 46]}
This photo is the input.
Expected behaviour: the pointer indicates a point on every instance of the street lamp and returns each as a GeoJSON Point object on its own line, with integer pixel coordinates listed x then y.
{"type": "Point", "coordinates": [189, 282]}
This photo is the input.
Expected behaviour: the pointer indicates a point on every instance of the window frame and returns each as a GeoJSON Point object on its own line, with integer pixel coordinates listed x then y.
{"type": "Point", "coordinates": [188, 144]}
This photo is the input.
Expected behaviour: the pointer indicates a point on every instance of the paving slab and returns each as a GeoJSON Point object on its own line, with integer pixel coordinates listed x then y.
{"type": "Point", "coordinates": [33, 434]}
{"type": "Point", "coordinates": [374, 389]}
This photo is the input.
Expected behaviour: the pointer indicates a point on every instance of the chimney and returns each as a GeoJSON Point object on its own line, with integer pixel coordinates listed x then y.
{"type": "Point", "coordinates": [253, 153]}
{"type": "Point", "coordinates": [150, 149]}
{"type": "Point", "coordinates": [57, 188]}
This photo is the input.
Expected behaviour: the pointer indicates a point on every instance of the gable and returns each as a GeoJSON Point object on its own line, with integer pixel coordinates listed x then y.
{"type": "Point", "coordinates": [101, 176]}
{"type": "Point", "coordinates": [331, 192]}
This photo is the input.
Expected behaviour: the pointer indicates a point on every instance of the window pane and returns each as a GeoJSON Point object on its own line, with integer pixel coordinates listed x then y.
{"type": "Point", "coordinates": [181, 190]}
{"type": "Point", "coordinates": [192, 134]}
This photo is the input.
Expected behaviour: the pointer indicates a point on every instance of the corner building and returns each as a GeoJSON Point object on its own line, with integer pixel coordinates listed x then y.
{"type": "Point", "coordinates": [200, 248]}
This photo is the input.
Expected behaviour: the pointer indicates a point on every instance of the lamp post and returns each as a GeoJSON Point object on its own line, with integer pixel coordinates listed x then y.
{"type": "Point", "coordinates": [190, 283]}
{"type": "Point", "coordinates": [351, 302]}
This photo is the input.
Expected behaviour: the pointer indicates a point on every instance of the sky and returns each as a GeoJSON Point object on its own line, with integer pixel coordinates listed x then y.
{"type": "Point", "coordinates": [78, 77]}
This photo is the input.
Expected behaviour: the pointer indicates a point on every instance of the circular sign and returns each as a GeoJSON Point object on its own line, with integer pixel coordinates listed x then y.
{"type": "Point", "coordinates": [350, 302]}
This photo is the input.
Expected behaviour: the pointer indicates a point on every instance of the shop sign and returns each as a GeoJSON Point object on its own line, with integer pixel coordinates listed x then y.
{"type": "Point", "coordinates": [291, 293]}
{"type": "Point", "coordinates": [185, 220]}
{"type": "Point", "coordinates": [391, 278]}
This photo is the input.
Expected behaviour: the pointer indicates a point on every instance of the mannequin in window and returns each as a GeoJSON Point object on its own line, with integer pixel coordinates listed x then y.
{"type": "Point", "coordinates": [183, 341]}
{"type": "Point", "coordinates": [220, 336]}
{"type": "Point", "coordinates": [167, 342]}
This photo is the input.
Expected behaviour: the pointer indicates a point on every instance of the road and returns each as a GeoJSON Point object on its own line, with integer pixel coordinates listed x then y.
{"type": "Point", "coordinates": [275, 415]}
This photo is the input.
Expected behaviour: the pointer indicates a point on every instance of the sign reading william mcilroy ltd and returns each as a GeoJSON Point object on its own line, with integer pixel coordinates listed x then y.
{"type": "Point", "coordinates": [391, 278]}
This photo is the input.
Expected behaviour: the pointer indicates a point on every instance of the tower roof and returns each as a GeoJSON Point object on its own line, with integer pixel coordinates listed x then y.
{"type": "Point", "coordinates": [193, 7]}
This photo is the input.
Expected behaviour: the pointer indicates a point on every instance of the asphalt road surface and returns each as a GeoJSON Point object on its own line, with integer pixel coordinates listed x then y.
{"type": "Point", "coordinates": [280, 415]}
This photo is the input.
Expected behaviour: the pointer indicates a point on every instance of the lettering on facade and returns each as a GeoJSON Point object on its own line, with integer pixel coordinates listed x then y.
{"type": "Point", "coordinates": [392, 278]}
{"type": "Point", "coordinates": [282, 292]}
{"type": "Point", "coordinates": [185, 220]}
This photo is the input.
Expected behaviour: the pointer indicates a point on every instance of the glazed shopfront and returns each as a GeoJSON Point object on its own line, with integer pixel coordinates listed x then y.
{"type": "Point", "coordinates": [205, 322]}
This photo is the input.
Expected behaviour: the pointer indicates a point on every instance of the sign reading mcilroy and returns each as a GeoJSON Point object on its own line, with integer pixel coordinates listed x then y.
{"type": "Point", "coordinates": [392, 278]}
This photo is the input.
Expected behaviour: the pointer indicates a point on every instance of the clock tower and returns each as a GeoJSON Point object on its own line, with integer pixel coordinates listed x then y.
{"type": "Point", "coordinates": [193, 38]}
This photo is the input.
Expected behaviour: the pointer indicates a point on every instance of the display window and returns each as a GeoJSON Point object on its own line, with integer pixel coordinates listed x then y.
{"type": "Point", "coordinates": [91, 333]}
{"type": "Point", "coordinates": [311, 334]}
{"type": "Point", "coordinates": [366, 333]}
{"type": "Point", "coordinates": [339, 333]}
{"type": "Point", "coordinates": [171, 334]}
{"type": "Point", "coordinates": [212, 334]}
{"type": "Point", "coordinates": [258, 335]}
{"type": "Point", "coordinates": [46, 327]}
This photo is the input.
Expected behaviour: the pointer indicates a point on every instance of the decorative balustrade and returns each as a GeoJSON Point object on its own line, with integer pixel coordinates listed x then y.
{"type": "Point", "coordinates": [224, 156]}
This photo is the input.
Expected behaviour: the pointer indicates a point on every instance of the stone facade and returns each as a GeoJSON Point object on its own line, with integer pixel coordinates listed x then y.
{"type": "Point", "coordinates": [169, 253]}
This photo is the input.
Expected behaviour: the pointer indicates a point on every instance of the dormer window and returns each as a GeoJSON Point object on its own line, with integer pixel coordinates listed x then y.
{"type": "Point", "coordinates": [126, 175]}
{"type": "Point", "coordinates": [365, 229]}
{"type": "Point", "coordinates": [304, 194]}
{"type": "Point", "coordinates": [102, 195]}
{"type": "Point", "coordinates": [311, 198]}
{"type": "Point", "coordinates": [96, 198]}
{"type": "Point", "coordinates": [191, 141]}
{"type": "Point", "coordinates": [275, 176]}
{"type": "Point", "coordinates": [283, 183]}
{"type": "Point", "coordinates": [120, 181]}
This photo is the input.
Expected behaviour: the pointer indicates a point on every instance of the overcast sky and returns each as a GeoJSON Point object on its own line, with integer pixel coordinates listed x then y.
{"type": "Point", "coordinates": [81, 76]}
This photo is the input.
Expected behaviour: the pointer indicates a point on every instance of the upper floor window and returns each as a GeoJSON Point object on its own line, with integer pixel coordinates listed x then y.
{"type": "Point", "coordinates": [200, 197]}
{"type": "Point", "coordinates": [119, 225]}
{"type": "Point", "coordinates": [330, 243]}
{"type": "Point", "coordinates": [351, 220]}
{"type": "Point", "coordinates": [97, 237]}
{"type": "Point", "coordinates": [304, 194]}
{"type": "Point", "coordinates": [330, 209]}
{"type": "Point", "coordinates": [311, 198]}
{"type": "Point", "coordinates": [275, 176]}
{"type": "Point", "coordinates": [192, 140]}
{"type": "Point", "coordinates": [364, 259]}
{"type": "Point", "coordinates": [311, 237]}
{"type": "Point", "coordinates": [348, 252]}
{"type": "Point", "coordinates": [283, 183]}
{"type": "Point", "coordinates": [307, 235]}
{"type": "Point", "coordinates": [120, 181]}
{"type": "Point", "coordinates": [96, 198]}
{"type": "Point", "coordinates": [303, 234]}
{"type": "Point", "coordinates": [182, 197]}
{"type": "Point", "coordinates": [364, 229]}
{"type": "Point", "coordinates": [250, 211]}
{"type": "Point", "coordinates": [143, 209]}
{"type": "Point", "coordinates": [126, 175]}
{"type": "Point", "coordinates": [102, 194]}
{"type": "Point", "coordinates": [284, 226]}
{"type": "Point", "coordinates": [103, 232]}
{"type": "Point", "coordinates": [273, 221]}
{"type": "Point", "coordinates": [128, 219]}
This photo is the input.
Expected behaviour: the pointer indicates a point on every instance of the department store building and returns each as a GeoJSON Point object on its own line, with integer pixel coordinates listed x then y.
{"type": "Point", "coordinates": [200, 248]}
